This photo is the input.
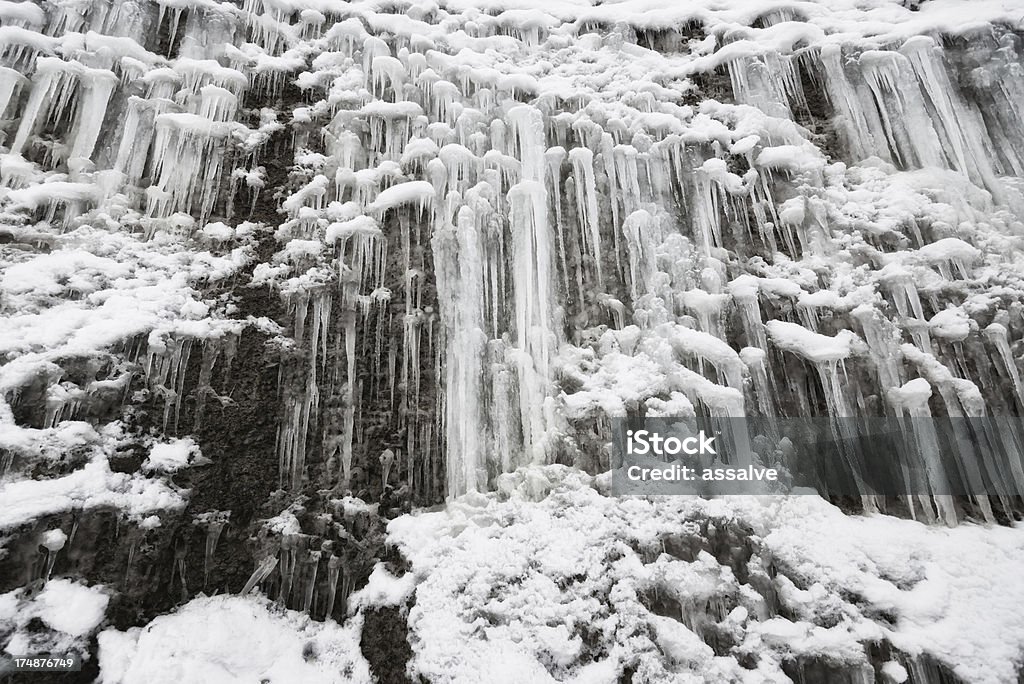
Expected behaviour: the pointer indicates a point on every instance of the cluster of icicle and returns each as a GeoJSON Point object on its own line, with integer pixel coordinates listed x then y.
{"type": "Point", "coordinates": [711, 230]}
{"type": "Point", "coordinates": [559, 222]}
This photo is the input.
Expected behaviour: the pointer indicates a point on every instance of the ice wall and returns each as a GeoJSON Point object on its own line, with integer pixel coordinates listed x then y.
{"type": "Point", "coordinates": [487, 229]}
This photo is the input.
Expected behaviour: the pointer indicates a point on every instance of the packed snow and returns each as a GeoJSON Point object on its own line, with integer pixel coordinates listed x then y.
{"type": "Point", "coordinates": [225, 639]}
{"type": "Point", "coordinates": [553, 580]}
{"type": "Point", "coordinates": [69, 611]}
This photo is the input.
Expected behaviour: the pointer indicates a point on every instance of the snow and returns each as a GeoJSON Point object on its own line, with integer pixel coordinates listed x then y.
{"type": "Point", "coordinates": [708, 347]}
{"type": "Point", "coordinates": [619, 381]}
{"type": "Point", "coordinates": [911, 395]}
{"type": "Point", "coordinates": [383, 589]}
{"type": "Point", "coordinates": [790, 157]}
{"type": "Point", "coordinates": [218, 230]}
{"type": "Point", "coordinates": [24, 12]}
{"type": "Point", "coordinates": [895, 672]}
{"type": "Point", "coordinates": [413, 192]}
{"type": "Point", "coordinates": [476, 110]}
{"type": "Point", "coordinates": [948, 249]}
{"type": "Point", "coordinates": [70, 607]}
{"type": "Point", "coordinates": [811, 345]}
{"type": "Point", "coordinates": [284, 523]}
{"type": "Point", "coordinates": [227, 639]}
{"type": "Point", "coordinates": [172, 456]}
{"type": "Point", "coordinates": [495, 575]}
{"type": "Point", "coordinates": [953, 324]}
{"type": "Point", "coordinates": [69, 613]}
{"type": "Point", "coordinates": [92, 291]}
{"type": "Point", "coordinates": [950, 610]}
{"type": "Point", "coordinates": [55, 190]}
{"type": "Point", "coordinates": [126, 288]}
{"type": "Point", "coordinates": [345, 229]}
{"type": "Point", "coordinates": [94, 485]}
{"type": "Point", "coordinates": [54, 540]}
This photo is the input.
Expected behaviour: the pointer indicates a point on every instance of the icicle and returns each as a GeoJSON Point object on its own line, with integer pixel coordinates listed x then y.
{"type": "Point", "coordinates": [909, 130]}
{"type": "Point", "coordinates": [133, 548]}
{"type": "Point", "coordinates": [961, 396]}
{"type": "Point", "coordinates": [907, 301]}
{"type": "Point", "coordinates": [460, 288]}
{"type": "Point", "coordinates": [763, 85]}
{"type": "Point", "coordinates": [586, 205]}
{"type": "Point", "coordinates": [536, 336]}
{"type": "Point", "coordinates": [617, 309]}
{"type": "Point", "coordinates": [628, 177]}
{"type": "Point", "coordinates": [754, 359]}
{"type": "Point", "coordinates": [313, 563]}
{"type": "Point", "coordinates": [211, 350]}
{"type": "Point", "coordinates": [10, 82]}
{"type": "Point", "coordinates": [707, 219]}
{"type": "Point", "coordinates": [882, 340]}
{"type": "Point", "coordinates": [213, 532]}
{"type": "Point", "coordinates": [707, 307]}
{"type": "Point", "coordinates": [217, 104]}
{"type": "Point", "coordinates": [92, 109]}
{"type": "Point", "coordinates": [555, 156]}
{"type": "Point", "coordinates": [384, 67]}
{"type": "Point", "coordinates": [912, 399]}
{"type": "Point", "coordinates": [997, 335]}
{"type": "Point", "coordinates": [707, 348]}
{"type": "Point", "coordinates": [52, 87]}
{"type": "Point", "coordinates": [333, 570]}
{"type": "Point", "coordinates": [961, 130]}
{"type": "Point", "coordinates": [745, 291]}
{"type": "Point", "coordinates": [179, 566]}
{"type": "Point", "coordinates": [348, 394]}
{"type": "Point", "coordinates": [131, 157]}
{"type": "Point", "coordinates": [262, 571]}
{"type": "Point", "coordinates": [533, 273]}
{"type": "Point", "coordinates": [187, 158]}
{"type": "Point", "coordinates": [638, 229]}
{"type": "Point", "coordinates": [289, 552]}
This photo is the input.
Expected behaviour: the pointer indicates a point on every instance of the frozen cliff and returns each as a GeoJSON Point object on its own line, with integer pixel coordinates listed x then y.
{"type": "Point", "coordinates": [278, 272]}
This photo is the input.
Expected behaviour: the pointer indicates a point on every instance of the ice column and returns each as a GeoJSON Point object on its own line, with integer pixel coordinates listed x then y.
{"type": "Point", "coordinates": [586, 204]}
{"type": "Point", "coordinates": [912, 400]}
{"type": "Point", "coordinates": [460, 288]}
{"type": "Point", "coordinates": [533, 271]}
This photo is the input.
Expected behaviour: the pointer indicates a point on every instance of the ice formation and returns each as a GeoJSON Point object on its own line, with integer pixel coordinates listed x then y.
{"type": "Point", "coordinates": [318, 252]}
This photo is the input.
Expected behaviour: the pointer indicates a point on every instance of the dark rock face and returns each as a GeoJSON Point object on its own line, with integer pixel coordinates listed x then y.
{"type": "Point", "coordinates": [385, 644]}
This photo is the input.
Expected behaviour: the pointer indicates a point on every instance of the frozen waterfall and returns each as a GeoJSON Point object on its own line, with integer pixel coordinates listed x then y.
{"type": "Point", "coordinates": [265, 261]}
